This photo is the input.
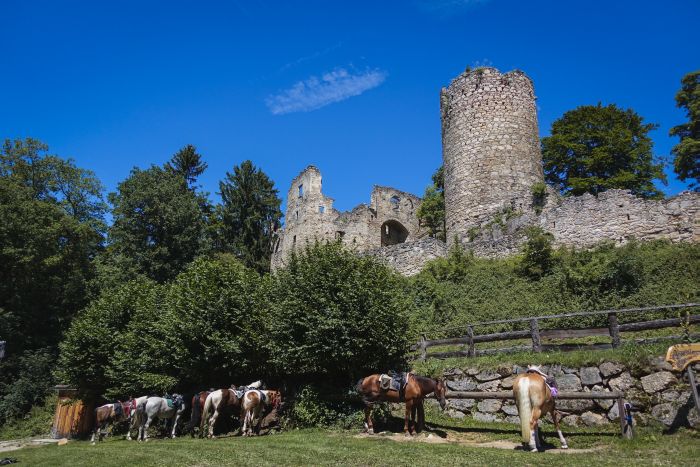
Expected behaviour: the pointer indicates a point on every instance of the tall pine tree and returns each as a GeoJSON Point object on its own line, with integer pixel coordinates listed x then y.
{"type": "Point", "coordinates": [249, 213]}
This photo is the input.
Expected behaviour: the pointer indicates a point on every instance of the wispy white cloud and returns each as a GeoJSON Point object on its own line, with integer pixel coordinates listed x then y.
{"type": "Point", "coordinates": [316, 92]}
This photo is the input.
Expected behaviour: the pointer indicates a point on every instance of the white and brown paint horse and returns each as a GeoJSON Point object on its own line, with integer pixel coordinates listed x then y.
{"type": "Point", "coordinates": [216, 403]}
{"type": "Point", "coordinates": [155, 408]}
{"type": "Point", "coordinates": [413, 394]}
{"type": "Point", "coordinates": [109, 414]}
{"type": "Point", "coordinates": [252, 406]}
{"type": "Point", "coordinates": [534, 399]}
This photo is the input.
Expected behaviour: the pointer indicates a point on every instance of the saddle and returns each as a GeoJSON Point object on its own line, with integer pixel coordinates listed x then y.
{"type": "Point", "coordinates": [393, 381]}
{"type": "Point", "coordinates": [550, 381]}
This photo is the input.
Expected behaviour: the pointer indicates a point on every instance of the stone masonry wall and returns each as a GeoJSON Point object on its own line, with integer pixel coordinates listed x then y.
{"type": "Point", "coordinates": [310, 217]}
{"type": "Point", "coordinates": [490, 145]}
{"type": "Point", "coordinates": [410, 258]}
{"type": "Point", "coordinates": [658, 394]}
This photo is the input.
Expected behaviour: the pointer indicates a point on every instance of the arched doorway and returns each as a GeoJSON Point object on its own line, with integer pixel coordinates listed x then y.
{"type": "Point", "coordinates": [393, 233]}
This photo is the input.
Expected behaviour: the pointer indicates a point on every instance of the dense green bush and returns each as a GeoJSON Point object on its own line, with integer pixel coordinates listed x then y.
{"type": "Point", "coordinates": [30, 385]}
{"type": "Point", "coordinates": [336, 316]}
{"type": "Point", "coordinates": [453, 292]}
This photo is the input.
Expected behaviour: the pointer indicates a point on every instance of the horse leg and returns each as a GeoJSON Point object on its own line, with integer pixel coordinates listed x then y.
{"type": "Point", "coordinates": [368, 419]}
{"type": "Point", "coordinates": [145, 427]}
{"type": "Point", "coordinates": [534, 435]}
{"type": "Point", "coordinates": [177, 417]}
{"type": "Point", "coordinates": [557, 418]}
{"type": "Point", "coordinates": [407, 418]}
{"type": "Point", "coordinates": [421, 417]}
{"type": "Point", "coordinates": [414, 418]}
{"type": "Point", "coordinates": [212, 422]}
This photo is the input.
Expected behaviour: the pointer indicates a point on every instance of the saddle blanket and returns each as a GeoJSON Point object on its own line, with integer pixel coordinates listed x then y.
{"type": "Point", "coordinates": [171, 404]}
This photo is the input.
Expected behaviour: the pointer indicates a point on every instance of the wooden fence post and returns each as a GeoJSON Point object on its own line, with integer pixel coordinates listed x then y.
{"type": "Point", "coordinates": [423, 348]}
{"type": "Point", "coordinates": [614, 327]}
{"type": "Point", "coordinates": [471, 351]}
{"type": "Point", "coordinates": [535, 332]}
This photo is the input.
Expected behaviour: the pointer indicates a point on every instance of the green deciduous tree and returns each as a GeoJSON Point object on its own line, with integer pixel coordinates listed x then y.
{"type": "Point", "coordinates": [431, 212]}
{"type": "Point", "coordinates": [51, 226]}
{"type": "Point", "coordinates": [335, 316]}
{"type": "Point", "coordinates": [687, 152]}
{"type": "Point", "coordinates": [249, 213]}
{"type": "Point", "coordinates": [159, 224]}
{"type": "Point", "coordinates": [595, 148]}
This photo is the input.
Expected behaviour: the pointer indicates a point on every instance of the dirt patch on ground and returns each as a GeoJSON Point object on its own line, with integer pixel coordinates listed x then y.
{"type": "Point", "coordinates": [465, 440]}
{"type": "Point", "coordinates": [15, 444]}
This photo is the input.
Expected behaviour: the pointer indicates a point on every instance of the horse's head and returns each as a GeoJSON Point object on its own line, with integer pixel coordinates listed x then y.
{"type": "Point", "coordinates": [440, 391]}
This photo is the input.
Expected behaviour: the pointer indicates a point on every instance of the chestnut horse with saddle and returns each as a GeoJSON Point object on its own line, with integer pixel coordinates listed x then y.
{"type": "Point", "coordinates": [412, 392]}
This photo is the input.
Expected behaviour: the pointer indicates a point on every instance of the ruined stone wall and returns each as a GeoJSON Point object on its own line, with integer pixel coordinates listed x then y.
{"type": "Point", "coordinates": [310, 217]}
{"type": "Point", "coordinates": [410, 258]}
{"type": "Point", "coordinates": [618, 215]}
{"type": "Point", "coordinates": [490, 144]}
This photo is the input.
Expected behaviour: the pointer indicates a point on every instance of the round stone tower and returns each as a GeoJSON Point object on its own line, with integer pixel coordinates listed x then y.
{"type": "Point", "coordinates": [490, 147]}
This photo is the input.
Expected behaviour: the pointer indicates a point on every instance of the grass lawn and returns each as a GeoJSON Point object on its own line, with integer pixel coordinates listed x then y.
{"type": "Point", "coordinates": [321, 447]}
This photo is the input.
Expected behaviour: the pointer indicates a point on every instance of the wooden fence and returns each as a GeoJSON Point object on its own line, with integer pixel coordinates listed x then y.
{"type": "Point", "coordinates": [537, 335]}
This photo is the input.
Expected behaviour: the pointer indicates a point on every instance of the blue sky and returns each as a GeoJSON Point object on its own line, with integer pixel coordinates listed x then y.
{"type": "Point", "coordinates": [351, 87]}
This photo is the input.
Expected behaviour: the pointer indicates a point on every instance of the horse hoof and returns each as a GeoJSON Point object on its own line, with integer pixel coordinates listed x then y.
{"type": "Point", "coordinates": [533, 450]}
{"type": "Point", "coordinates": [370, 431]}
{"type": "Point", "coordinates": [564, 446]}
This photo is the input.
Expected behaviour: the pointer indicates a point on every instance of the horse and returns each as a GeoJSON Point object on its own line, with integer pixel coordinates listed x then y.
{"type": "Point", "coordinates": [109, 414]}
{"type": "Point", "coordinates": [417, 387]}
{"type": "Point", "coordinates": [158, 408]}
{"type": "Point", "coordinates": [198, 401]}
{"type": "Point", "coordinates": [134, 419]}
{"type": "Point", "coordinates": [217, 402]}
{"type": "Point", "coordinates": [534, 399]}
{"type": "Point", "coordinates": [254, 401]}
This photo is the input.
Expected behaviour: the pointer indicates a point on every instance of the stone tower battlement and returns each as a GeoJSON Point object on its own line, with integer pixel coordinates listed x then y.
{"type": "Point", "coordinates": [491, 151]}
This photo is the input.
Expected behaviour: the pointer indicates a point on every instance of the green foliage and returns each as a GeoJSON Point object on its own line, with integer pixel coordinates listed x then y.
{"type": "Point", "coordinates": [539, 196]}
{"type": "Point", "coordinates": [97, 338]}
{"type": "Point", "coordinates": [29, 386]}
{"type": "Point", "coordinates": [687, 152]}
{"type": "Point", "coordinates": [249, 214]}
{"type": "Point", "coordinates": [310, 409]}
{"type": "Point", "coordinates": [188, 164]}
{"type": "Point", "coordinates": [336, 316]}
{"type": "Point", "coordinates": [37, 422]}
{"type": "Point", "coordinates": [636, 274]}
{"type": "Point", "coordinates": [538, 254]}
{"type": "Point", "coordinates": [159, 225]}
{"type": "Point", "coordinates": [431, 212]}
{"type": "Point", "coordinates": [594, 148]}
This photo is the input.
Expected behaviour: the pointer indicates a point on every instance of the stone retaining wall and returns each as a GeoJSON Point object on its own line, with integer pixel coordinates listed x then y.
{"type": "Point", "coordinates": [659, 394]}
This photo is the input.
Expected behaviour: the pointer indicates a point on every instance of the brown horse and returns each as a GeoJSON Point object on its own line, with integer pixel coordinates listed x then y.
{"type": "Point", "coordinates": [534, 400]}
{"type": "Point", "coordinates": [254, 403]}
{"type": "Point", "coordinates": [197, 407]}
{"type": "Point", "coordinates": [417, 387]}
{"type": "Point", "coordinates": [108, 414]}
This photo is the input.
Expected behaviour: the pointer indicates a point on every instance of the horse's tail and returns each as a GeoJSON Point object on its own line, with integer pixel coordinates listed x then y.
{"type": "Point", "coordinates": [196, 414]}
{"type": "Point", "coordinates": [140, 412]}
{"type": "Point", "coordinates": [522, 399]}
{"type": "Point", "coordinates": [208, 405]}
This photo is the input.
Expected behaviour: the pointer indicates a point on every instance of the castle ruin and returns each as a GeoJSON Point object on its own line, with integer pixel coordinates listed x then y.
{"type": "Point", "coordinates": [492, 162]}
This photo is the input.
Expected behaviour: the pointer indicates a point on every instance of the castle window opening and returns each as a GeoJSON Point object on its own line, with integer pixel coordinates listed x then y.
{"type": "Point", "coordinates": [395, 202]}
{"type": "Point", "coordinates": [296, 215]}
{"type": "Point", "coordinates": [301, 190]}
{"type": "Point", "coordinates": [321, 209]}
{"type": "Point", "coordinates": [294, 240]}
{"type": "Point", "coordinates": [628, 217]}
{"type": "Point", "coordinates": [339, 235]}
{"type": "Point", "coordinates": [393, 233]}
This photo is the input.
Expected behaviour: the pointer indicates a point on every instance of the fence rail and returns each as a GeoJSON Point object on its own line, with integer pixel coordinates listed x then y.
{"type": "Point", "coordinates": [613, 330]}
